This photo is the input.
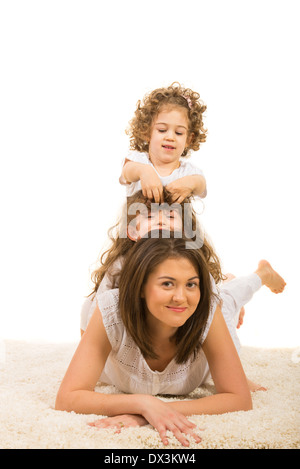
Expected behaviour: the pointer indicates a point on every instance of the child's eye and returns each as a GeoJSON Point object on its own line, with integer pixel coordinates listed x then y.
{"type": "Point", "coordinates": [162, 130]}
{"type": "Point", "coordinates": [179, 133]}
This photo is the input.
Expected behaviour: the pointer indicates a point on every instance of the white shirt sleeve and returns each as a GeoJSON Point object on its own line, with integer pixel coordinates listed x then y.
{"type": "Point", "coordinates": [108, 303]}
{"type": "Point", "coordinates": [138, 157]}
{"type": "Point", "coordinates": [188, 169]}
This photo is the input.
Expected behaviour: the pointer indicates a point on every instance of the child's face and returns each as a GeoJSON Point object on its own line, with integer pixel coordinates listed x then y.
{"type": "Point", "coordinates": [167, 219]}
{"type": "Point", "coordinates": [172, 293]}
{"type": "Point", "coordinates": [169, 135]}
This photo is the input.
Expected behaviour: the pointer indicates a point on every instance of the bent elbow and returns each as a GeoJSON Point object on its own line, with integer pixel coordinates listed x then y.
{"type": "Point", "coordinates": [62, 402]}
{"type": "Point", "coordinates": [246, 403]}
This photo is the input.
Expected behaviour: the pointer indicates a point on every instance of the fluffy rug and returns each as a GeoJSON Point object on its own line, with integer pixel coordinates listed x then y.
{"type": "Point", "coordinates": [30, 375]}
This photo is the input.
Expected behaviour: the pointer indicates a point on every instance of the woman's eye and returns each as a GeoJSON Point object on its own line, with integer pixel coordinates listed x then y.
{"type": "Point", "coordinates": [167, 284]}
{"type": "Point", "coordinates": [192, 285]}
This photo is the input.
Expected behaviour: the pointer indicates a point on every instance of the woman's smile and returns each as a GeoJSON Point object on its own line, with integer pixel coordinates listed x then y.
{"type": "Point", "coordinates": [177, 309]}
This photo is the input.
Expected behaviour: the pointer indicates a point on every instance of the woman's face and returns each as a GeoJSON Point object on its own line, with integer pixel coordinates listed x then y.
{"type": "Point", "coordinates": [171, 293]}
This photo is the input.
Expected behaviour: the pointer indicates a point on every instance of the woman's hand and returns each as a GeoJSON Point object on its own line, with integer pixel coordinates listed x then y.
{"type": "Point", "coordinates": [120, 421]}
{"type": "Point", "coordinates": [162, 417]}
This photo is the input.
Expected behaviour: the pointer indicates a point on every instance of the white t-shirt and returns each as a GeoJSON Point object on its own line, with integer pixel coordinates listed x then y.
{"type": "Point", "coordinates": [185, 169]}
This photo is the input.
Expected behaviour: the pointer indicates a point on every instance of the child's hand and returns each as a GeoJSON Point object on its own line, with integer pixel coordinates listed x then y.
{"type": "Point", "coordinates": [186, 186]}
{"type": "Point", "coordinates": [180, 189]}
{"type": "Point", "coordinates": [151, 184]}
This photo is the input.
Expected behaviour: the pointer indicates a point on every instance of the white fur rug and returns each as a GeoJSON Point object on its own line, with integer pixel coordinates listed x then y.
{"type": "Point", "coordinates": [30, 375]}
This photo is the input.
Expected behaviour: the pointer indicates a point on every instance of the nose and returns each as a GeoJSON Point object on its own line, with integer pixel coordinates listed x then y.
{"type": "Point", "coordinates": [161, 219]}
{"type": "Point", "coordinates": [170, 135]}
{"type": "Point", "coordinates": [179, 294]}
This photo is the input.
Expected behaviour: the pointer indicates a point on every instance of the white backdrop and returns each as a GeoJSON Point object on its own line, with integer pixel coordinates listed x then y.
{"type": "Point", "coordinates": [72, 72]}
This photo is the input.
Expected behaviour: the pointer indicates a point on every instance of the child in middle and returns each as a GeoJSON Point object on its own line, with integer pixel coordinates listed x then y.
{"type": "Point", "coordinates": [166, 127]}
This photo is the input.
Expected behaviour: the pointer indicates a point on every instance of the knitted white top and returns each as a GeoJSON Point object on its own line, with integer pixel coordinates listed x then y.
{"type": "Point", "coordinates": [126, 367]}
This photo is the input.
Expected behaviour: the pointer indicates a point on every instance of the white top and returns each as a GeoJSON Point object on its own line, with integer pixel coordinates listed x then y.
{"type": "Point", "coordinates": [106, 283]}
{"type": "Point", "coordinates": [185, 169]}
{"type": "Point", "coordinates": [126, 367]}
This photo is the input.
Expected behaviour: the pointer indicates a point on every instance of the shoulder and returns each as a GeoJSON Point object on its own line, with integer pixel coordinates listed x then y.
{"type": "Point", "coordinates": [187, 168]}
{"type": "Point", "coordinates": [108, 303]}
{"type": "Point", "coordinates": [138, 157]}
{"type": "Point", "coordinates": [110, 278]}
{"type": "Point", "coordinates": [215, 300]}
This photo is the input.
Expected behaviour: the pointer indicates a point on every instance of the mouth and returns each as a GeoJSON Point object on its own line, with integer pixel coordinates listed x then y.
{"type": "Point", "coordinates": [177, 309]}
{"type": "Point", "coordinates": [168, 147]}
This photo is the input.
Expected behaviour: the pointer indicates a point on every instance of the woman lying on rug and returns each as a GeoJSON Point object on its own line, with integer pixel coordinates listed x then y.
{"type": "Point", "coordinates": [142, 217]}
{"type": "Point", "coordinates": [161, 332]}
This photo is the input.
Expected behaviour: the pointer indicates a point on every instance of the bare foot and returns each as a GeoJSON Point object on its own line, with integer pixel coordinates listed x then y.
{"type": "Point", "coordinates": [269, 277]}
{"type": "Point", "coordinates": [255, 387]}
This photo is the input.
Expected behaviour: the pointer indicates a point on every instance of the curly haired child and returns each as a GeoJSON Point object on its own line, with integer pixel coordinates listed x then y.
{"type": "Point", "coordinates": [167, 126]}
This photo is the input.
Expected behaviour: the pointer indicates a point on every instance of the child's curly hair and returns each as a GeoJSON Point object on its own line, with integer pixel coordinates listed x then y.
{"type": "Point", "coordinates": [174, 95]}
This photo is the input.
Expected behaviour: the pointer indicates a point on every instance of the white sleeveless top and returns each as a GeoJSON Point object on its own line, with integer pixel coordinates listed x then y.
{"type": "Point", "coordinates": [126, 367]}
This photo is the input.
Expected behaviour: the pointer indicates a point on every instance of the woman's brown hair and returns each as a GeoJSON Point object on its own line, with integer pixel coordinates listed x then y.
{"type": "Point", "coordinates": [174, 95]}
{"type": "Point", "coordinates": [143, 259]}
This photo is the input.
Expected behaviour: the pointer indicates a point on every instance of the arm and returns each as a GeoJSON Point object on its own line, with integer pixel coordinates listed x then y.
{"type": "Point", "coordinates": [151, 184]}
{"type": "Point", "coordinates": [76, 392]}
{"type": "Point", "coordinates": [226, 369]}
{"type": "Point", "coordinates": [187, 185]}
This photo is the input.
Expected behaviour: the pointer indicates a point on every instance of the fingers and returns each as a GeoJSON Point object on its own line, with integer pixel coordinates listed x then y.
{"type": "Point", "coordinates": [180, 431]}
{"type": "Point", "coordinates": [155, 194]}
{"type": "Point", "coordinates": [119, 422]}
{"type": "Point", "coordinates": [177, 198]}
{"type": "Point", "coordinates": [108, 423]}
